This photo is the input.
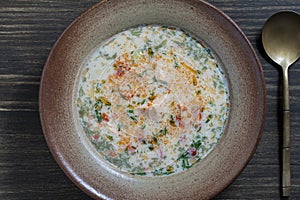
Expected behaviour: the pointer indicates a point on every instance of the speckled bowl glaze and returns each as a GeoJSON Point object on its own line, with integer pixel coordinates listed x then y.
{"type": "Point", "coordinates": [65, 136]}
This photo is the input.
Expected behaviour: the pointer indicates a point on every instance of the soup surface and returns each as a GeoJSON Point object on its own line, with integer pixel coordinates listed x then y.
{"type": "Point", "coordinates": [152, 100]}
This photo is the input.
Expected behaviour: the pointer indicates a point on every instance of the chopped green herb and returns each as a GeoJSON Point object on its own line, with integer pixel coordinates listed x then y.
{"type": "Point", "coordinates": [173, 32]}
{"type": "Point", "coordinates": [215, 84]}
{"type": "Point", "coordinates": [148, 42]}
{"type": "Point", "coordinates": [98, 115]}
{"type": "Point", "coordinates": [176, 65]}
{"type": "Point", "coordinates": [209, 118]}
{"type": "Point", "coordinates": [211, 103]}
{"type": "Point", "coordinates": [199, 129]}
{"type": "Point", "coordinates": [111, 138]}
{"type": "Point", "coordinates": [142, 74]}
{"type": "Point", "coordinates": [196, 144]}
{"type": "Point", "coordinates": [81, 92]}
{"type": "Point", "coordinates": [177, 42]}
{"type": "Point", "coordinates": [141, 173]}
{"type": "Point", "coordinates": [143, 101]}
{"type": "Point", "coordinates": [150, 52]}
{"type": "Point", "coordinates": [98, 87]}
{"type": "Point", "coordinates": [113, 57]}
{"type": "Point", "coordinates": [209, 52]}
{"type": "Point", "coordinates": [133, 118]}
{"type": "Point", "coordinates": [136, 32]}
{"type": "Point", "coordinates": [98, 105]}
{"type": "Point", "coordinates": [163, 43]}
{"type": "Point", "coordinates": [164, 131]}
{"type": "Point", "coordinates": [154, 79]}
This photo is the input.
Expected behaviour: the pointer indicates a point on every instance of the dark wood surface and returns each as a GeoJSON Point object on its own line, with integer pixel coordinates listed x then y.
{"type": "Point", "coordinates": [28, 30]}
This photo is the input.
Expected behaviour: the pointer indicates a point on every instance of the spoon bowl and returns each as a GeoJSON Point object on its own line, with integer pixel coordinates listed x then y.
{"type": "Point", "coordinates": [281, 37]}
{"type": "Point", "coordinates": [281, 40]}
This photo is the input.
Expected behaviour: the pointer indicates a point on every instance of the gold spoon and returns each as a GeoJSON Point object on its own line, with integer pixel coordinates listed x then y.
{"type": "Point", "coordinates": [281, 40]}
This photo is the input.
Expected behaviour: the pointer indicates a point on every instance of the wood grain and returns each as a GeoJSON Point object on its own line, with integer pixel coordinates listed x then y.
{"type": "Point", "coordinates": [28, 30]}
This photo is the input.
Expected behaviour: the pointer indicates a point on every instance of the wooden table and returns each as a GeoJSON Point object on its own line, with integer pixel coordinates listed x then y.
{"type": "Point", "coordinates": [28, 30]}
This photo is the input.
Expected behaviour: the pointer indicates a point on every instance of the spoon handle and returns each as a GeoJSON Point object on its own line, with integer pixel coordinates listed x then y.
{"type": "Point", "coordinates": [286, 171]}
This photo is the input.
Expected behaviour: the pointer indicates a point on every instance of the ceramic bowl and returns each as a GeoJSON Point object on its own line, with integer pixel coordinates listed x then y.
{"type": "Point", "coordinates": [65, 136]}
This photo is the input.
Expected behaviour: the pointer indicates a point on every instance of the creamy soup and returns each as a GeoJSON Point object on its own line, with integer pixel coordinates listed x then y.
{"type": "Point", "coordinates": [152, 100]}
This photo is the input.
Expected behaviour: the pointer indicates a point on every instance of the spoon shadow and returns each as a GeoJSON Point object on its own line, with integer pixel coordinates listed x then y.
{"type": "Point", "coordinates": [279, 103]}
